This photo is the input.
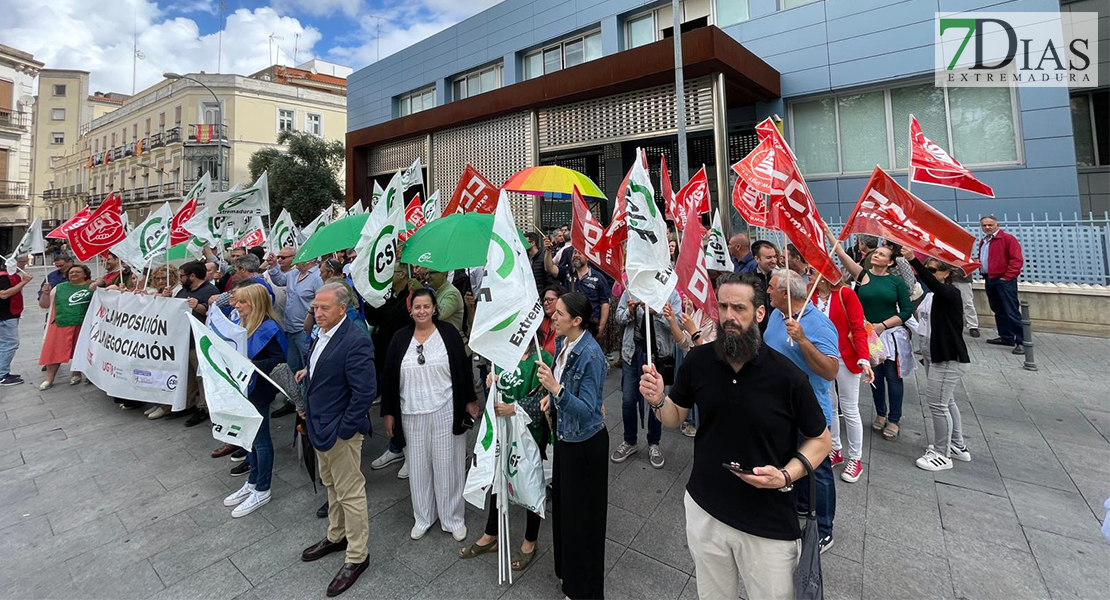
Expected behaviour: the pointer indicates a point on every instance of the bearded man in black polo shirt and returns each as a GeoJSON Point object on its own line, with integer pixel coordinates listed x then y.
{"type": "Point", "coordinates": [754, 405]}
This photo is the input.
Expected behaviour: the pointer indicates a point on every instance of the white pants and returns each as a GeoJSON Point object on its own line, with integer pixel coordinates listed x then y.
{"type": "Point", "coordinates": [971, 318]}
{"type": "Point", "coordinates": [844, 395]}
{"type": "Point", "coordinates": [437, 469]}
{"type": "Point", "coordinates": [723, 556]}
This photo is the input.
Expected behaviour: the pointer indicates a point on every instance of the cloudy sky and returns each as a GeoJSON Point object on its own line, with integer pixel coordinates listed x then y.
{"type": "Point", "coordinates": [182, 36]}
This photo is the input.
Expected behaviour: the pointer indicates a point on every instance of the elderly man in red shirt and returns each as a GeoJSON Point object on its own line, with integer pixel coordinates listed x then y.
{"type": "Point", "coordinates": [1000, 254]}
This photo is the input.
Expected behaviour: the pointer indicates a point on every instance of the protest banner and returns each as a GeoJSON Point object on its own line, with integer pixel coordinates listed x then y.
{"type": "Point", "coordinates": [651, 278]}
{"type": "Point", "coordinates": [77, 220]}
{"type": "Point", "coordinates": [245, 202]}
{"type": "Point", "coordinates": [508, 310]}
{"type": "Point", "coordinates": [149, 239]}
{"type": "Point", "coordinates": [101, 231]}
{"type": "Point", "coordinates": [376, 250]}
{"type": "Point", "coordinates": [693, 277]}
{"type": "Point", "coordinates": [589, 238]}
{"type": "Point", "coordinates": [474, 193]}
{"type": "Point", "coordinates": [226, 376]}
{"type": "Point", "coordinates": [887, 210]}
{"type": "Point", "coordinates": [929, 163]}
{"type": "Point", "coordinates": [136, 347]}
{"type": "Point", "coordinates": [716, 248]}
{"type": "Point", "coordinates": [194, 199]}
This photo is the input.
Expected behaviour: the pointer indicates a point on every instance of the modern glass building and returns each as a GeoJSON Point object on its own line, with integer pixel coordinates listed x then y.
{"type": "Point", "coordinates": [582, 83]}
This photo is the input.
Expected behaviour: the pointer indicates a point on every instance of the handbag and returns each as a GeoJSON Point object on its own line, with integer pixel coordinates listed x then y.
{"type": "Point", "coordinates": [808, 584]}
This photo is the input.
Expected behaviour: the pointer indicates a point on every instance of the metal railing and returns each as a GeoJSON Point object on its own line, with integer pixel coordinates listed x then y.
{"type": "Point", "coordinates": [1056, 249]}
{"type": "Point", "coordinates": [200, 133]}
{"type": "Point", "coordinates": [18, 119]}
{"type": "Point", "coordinates": [13, 190]}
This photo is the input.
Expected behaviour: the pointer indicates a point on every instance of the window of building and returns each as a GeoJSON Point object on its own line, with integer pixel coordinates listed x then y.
{"type": "Point", "coordinates": [58, 114]}
{"type": "Point", "coordinates": [314, 124]}
{"type": "Point", "coordinates": [161, 122]}
{"type": "Point", "coordinates": [286, 119]}
{"type": "Point", "coordinates": [59, 89]}
{"type": "Point", "coordinates": [113, 141]}
{"type": "Point", "coordinates": [210, 112]}
{"type": "Point", "coordinates": [57, 137]}
{"type": "Point", "coordinates": [853, 132]}
{"type": "Point", "coordinates": [658, 24]}
{"type": "Point", "coordinates": [135, 131]}
{"type": "Point", "coordinates": [476, 82]}
{"type": "Point", "coordinates": [1090, 113]}
{"type": "Point", "coordinates": [177, 116]}
{"type": "Point", "coordinates": [96, 145]}
{"type": "Point", "coordinates": [146, 127]}
{"type": "Point", "coordinates": [566, 53]}
{"type": "Point", "coordinates": [416, 101]}
{"type": "Point", "coordinates": [731, 12]}
{"type": "Point", "coordinates": [641, 30]}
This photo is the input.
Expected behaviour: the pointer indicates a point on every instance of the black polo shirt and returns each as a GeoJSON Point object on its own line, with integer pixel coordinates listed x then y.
{"type": "Point", "coordinates": [752, 417]}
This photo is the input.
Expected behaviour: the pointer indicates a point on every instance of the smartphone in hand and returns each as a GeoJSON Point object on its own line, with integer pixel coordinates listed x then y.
{"type": "Point", "coordinates": [735, 468]}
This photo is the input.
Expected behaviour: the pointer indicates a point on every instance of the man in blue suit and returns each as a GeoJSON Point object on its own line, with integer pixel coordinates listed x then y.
{"type": "Point", "coordinates": [340, 387]}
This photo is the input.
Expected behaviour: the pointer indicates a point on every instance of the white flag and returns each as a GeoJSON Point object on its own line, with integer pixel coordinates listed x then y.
{"type": "Point", "coordinates": [431, 208]}
{"type": "Point", "coordinates": [716, 253]}
{"type": "Point", "coordinates": [126, 221]}
{"type": "Point", "coordinates": [374, 196]}
{"type": "Point", "coordinates": [227, 330]}
{"type": "Point", "coordinates": [508, 312]}
{"type": "Point", "coordinates": [205, 229]}
{"type": "Point", "coordinates": [226, 375]}
{"type": "Point", "coordinates": [284, 233]}
{"type": "Point", "coordinates": [148, 240]}
{"type": "Point", "coordinates": [376, 251]}
{"type": "Point", "coordinates": [30, 243]}
{"type": "Point", "coordinates": [413, 176]}
{"type": "Point", "coordinates": [356, 209]}
{"type": "Point", "coordinates": [254, 200]}
{"type": "Point", "coordinates": [253, 235]}
{"type": "Point", "coordinates": [647, 262]}
{"type": "Point", "coordinates": [318, 223]}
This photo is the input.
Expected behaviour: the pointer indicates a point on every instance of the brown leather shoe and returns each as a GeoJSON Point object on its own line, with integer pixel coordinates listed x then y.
{"type": "Point", "coordinates": [346, 577]}
{"type": "Point", "coordinates": [322, 548]}
{"type": "Point", "coordinates": [224, 450]}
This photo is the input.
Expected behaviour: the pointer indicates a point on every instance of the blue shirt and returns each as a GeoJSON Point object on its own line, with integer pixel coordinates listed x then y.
{"type": "Point", "coordinates": [744, 265]}
{"type": "Point", "coordinates": [985, 254]}
{"type": "Point", "coordinates": [299, 293]}
{"type": "Point", "coordinates": [594, 285]}
{"type": "Point", "coordinates": [822, 333]}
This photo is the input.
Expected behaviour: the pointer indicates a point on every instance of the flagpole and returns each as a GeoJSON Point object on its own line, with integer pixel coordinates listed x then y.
{"type": "Point", "coordinates": [647, 331]}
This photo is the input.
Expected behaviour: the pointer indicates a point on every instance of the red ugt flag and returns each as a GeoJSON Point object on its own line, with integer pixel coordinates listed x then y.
{"type": "Point", "coordinates": [887, 210]}
{"type": "Point", "coordinates": [929, 163]}
{"type": "Point", "coordinates": [473, 194]}
{"type": "Point", "coordinates": [60, 232]}
{"type": "Point", "coordinates": [592, 241]}
{"type": "Point", "coordinates": [792, 208]}
{"type": "Point", "coordinates": [102, 230]}
{"type": "Point", "coordinates": [693, 277]}
{"type": "Point", "coordinates": [669, 208]}
{"type": "Point", "coordinates": [414, 218]}
{"type": "Point", "coordinates": [692, 200]}
{"type": "Point", "coordinates": [178, 235]}
{"type": "Point", "coordinates": [617, 232]}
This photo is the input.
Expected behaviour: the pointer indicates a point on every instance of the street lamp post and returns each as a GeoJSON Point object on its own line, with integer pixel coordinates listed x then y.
{"type": "Point", "coordinates": [219, 119]}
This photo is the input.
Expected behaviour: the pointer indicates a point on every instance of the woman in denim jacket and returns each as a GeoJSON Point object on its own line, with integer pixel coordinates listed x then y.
{"type": "Point", "coordinates": [581, 470]}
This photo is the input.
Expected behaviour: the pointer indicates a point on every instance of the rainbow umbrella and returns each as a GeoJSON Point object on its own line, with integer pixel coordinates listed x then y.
{"type": "Point", "coordinates": [552, 179]}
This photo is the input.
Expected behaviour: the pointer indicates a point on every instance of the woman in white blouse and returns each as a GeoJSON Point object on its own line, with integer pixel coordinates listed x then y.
{"type": "Point", "coordinates": [427, 378]}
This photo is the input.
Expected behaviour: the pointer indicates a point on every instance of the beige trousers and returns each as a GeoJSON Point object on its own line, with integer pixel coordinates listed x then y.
{"type": "Point", "coordinates": [724, 556]}
{"type": "Point", "coordinates": [341, 472]}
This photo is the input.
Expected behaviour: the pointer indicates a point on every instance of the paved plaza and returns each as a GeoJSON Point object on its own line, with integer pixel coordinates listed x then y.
{"type": "Point", "coordinates": [98, 502]}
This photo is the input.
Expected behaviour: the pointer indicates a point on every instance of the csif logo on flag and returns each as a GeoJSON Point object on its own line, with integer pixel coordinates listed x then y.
{"type": "Point", "coordinates": [1016, 49]}
{"type": "Point", "coordinates": [152, 236]}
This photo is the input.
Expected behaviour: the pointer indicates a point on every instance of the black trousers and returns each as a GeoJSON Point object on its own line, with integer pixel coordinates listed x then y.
{"type": "Point", "coordinates": [581, 484]}
{"type": "Point", "coordinates": [1003, 299]}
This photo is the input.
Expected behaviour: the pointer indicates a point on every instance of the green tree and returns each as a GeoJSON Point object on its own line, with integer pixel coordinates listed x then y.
{"type": "Point", "coordinates": [303, 176]}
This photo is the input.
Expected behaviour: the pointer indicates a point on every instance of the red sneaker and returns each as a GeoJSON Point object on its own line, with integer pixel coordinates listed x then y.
{"type": "Point", "coordinates": [836, 457]}
{"type": "Point", "coordinates": [852, 471]}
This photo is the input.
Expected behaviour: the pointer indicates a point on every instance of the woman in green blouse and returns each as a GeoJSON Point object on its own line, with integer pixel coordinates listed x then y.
{"type": "Point", "coordinates": [886, 305]}
{"type": "Point", "coordinates": [68, 302]}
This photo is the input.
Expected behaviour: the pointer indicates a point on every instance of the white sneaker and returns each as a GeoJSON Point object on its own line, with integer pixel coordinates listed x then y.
{"type": "Point", "coordinates": [158, 413]}
{"type": "Point", "coordinates": [387, 458]}
{"type": "Point", "coordinates": [251, 504]}
{"type": "Point", "coordinates": [237, 498]}
{"type": "Point", "coordinates": [459, 534]}
{"type": "Point", "coordinates": [74, 380]}
{"type": "Point", "coordinates": [418, 532]}
{"type": "Point", "coordinates": [958, 453]}
{"type": "Point", "coordinates": [404, 472]}
{"type": "Point", "coordinates": [150, 410]}
{"type": "Point", "coordinates": [933, 461]}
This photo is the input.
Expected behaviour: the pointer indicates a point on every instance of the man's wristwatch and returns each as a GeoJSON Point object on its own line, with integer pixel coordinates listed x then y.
{"type": "Point", "coordinates": [786, 476]}
{"type": "Point", "coordinates": [654, 406]}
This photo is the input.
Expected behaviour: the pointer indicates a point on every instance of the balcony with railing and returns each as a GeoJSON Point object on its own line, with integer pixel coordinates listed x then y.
{"type": "Point", "coordinates": [12, 191]}
{"type": "Point", "coordinates": [206, 134]}
{"type": "Point", "coordinates": [14, 119]}
{"type": "Point", "coordinates": [150, 193]}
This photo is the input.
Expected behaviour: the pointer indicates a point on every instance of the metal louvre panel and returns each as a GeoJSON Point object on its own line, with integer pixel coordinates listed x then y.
{"type": "Point", "coordinates": [627, 116]}
{"type": "Point", "coordinates": [498, 148]}
{"type": "Point", "coordinates": [388, 158]}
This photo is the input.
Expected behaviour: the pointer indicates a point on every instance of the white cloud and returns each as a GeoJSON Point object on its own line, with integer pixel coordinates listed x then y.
{"type": "Point", "coordinates": [400, 26]}
{"type": "Point", "coordinates": [68, 34]}
{"type": "Point", "coordinates": [317, 8]}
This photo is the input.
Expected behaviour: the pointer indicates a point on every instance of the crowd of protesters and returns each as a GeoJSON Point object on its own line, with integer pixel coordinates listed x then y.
{"type": "Point", "coordinates": [767, 382]}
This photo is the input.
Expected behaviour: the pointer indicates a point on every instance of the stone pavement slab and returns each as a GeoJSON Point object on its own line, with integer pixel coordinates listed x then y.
{"type": "Point", "coordinates": [98, 502]}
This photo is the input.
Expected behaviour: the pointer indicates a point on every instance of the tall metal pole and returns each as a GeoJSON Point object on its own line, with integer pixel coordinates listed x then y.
{"type": "Point", "coordinates": [680, 95]}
